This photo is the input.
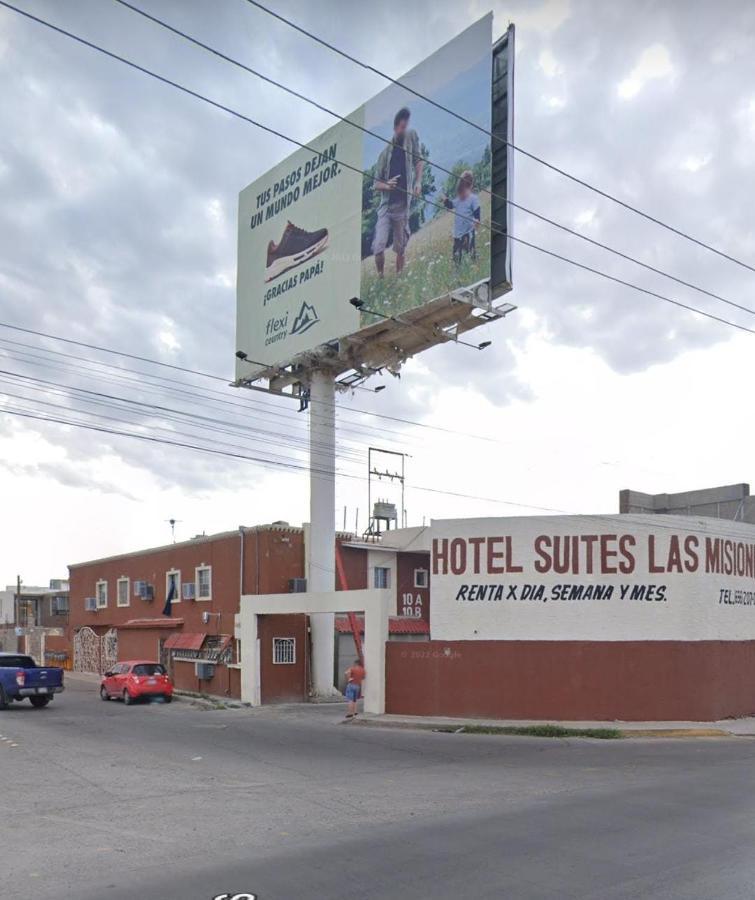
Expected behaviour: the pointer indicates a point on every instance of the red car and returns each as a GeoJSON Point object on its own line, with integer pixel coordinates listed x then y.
{"type": "Point", "coordinates": [136, 679]}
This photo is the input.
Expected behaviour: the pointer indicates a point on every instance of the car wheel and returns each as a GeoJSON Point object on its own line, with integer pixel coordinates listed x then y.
{"type": "Point", "coordinates": [3, 698]}
{"type": "Point", "coordinates": [39, 702]}
{"type": "Point", "coordinates": [127, 698]}
{"type": "Point", "coordinates": [168, 698]}
{"type": "Point", "coordinates": [104, 694]}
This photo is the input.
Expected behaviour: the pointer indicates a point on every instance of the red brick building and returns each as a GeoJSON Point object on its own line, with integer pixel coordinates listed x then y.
{"type": "Point", "coordinates": [178, 603]}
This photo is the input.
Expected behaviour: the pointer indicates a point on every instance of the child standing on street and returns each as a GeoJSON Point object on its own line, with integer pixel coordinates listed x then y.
{"type": "Point", "coordinates": [466, 207]}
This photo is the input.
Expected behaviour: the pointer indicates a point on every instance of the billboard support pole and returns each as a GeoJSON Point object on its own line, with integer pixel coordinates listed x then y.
{"type": "Point", "coordinates": [322, 517]}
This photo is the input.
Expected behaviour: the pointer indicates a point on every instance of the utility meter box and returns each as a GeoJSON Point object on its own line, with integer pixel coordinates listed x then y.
{"type": "Point", "coordinates": [204, 671]}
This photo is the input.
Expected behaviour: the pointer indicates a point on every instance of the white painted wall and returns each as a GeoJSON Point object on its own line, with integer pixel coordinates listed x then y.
{"type": "Point", "coordinates": [383, 558]}
{"type": "Point", "coordinates": [488, 598]}
{"type": "Point", "coordinates": [374, 604]}
{"type": "Point", "coordinates": [7, 606]}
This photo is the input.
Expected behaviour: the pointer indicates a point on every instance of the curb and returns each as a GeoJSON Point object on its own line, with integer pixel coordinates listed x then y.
{"type": "Point", "coordinates": [208, 702]}
{"type": "Point", "coordinates": [624, 733]}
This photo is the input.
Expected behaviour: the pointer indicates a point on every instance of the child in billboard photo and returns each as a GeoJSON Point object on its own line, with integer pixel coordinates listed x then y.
{"type": "Point", "coordinates": [466, 208]}
{"type": "Point", "coordinates": [398, 179]}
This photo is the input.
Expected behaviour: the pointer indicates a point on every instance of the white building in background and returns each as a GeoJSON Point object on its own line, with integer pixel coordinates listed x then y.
{"type": "Point", "coordinates": [7, 602]}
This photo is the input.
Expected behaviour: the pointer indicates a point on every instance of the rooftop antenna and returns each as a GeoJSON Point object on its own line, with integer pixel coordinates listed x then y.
{"type": "Point", "coordinates": [173, 523]}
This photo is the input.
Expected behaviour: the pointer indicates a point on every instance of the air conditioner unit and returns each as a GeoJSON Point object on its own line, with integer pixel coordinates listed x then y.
{"type": "Point", "coordinates": [204, 670]}
{"type": "Point", "coordinates": [188, 591]}
{"type": "Point", "coordinates": [297, 585]}
{"type": "Point", "coordinates": [139, 588]}
{"type": "Point", "coordinates": [90, 604]}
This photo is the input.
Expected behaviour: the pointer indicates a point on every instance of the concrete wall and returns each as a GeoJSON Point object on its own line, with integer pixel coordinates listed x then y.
{"type": "Point", "coordinates": [600, 578]}
{"type": "Point", "coordinates": [412, 601]}
{"type": "Point", "coordinates": [375, 604]}
{"type": "Point", "coordinates": [573, 680]}
{"type": "Point", "coordinates": [283, 682]}
{"type": "Point", "coordinates": [731, 501]}
{"type": "Point", "coordinates": [225, 683]}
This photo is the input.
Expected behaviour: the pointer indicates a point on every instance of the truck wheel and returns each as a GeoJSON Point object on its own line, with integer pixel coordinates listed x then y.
{"type": "Point", "coordinates": [3, 698]}
{"type": "Point", "coordinates": [104, 694]}
{"type": "Point", "coordinates": [39, 702]}
{"type": "Point", "coordinates": [127, 698]}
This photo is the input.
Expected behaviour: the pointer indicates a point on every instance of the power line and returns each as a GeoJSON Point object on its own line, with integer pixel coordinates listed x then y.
{"type": "Point", "coordinates": [360, 432]}
{"type": "Point", "coordinates": [249, 401]}
{"type": "Point", "coordinates": [650, 521]}
{"type": "Point", "coordinates": [543, 218]}
{"type": "Point", "coordinates": [279, 134]}
{"type": "Point", "coordinates": [31, 414]}
{"type": "Point", "coordinates": [167, 413]}
{"type": "Point", "coordinates": [270, 130]}
{"type": "Point", "coordinates": [496, 137]}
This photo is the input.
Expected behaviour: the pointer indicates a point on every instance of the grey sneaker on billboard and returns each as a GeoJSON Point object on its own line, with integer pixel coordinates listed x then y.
{"type": "Point", "coordinates": [294, 248]}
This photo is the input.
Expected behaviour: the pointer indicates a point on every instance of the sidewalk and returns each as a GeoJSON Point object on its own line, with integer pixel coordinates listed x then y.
{"type": "Point", "coordinates": [726, 728]}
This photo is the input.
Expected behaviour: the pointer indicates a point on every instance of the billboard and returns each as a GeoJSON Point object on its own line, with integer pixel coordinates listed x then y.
{"type": "Point", "coordinates": [363, 212]}
{"type": "Point", "coordinates": [592, 578]}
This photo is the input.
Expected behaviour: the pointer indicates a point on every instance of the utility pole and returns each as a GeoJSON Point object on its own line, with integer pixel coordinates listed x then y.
{"type": "Point", "coordinates": [17, 607]}
{"type": "Point", "coordinates": [322, 524]}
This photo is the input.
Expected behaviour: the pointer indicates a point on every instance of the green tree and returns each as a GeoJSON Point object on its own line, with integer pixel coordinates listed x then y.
{"type": "Point", "coordinates": [370, 203]}
{"type": "Point", "coordinates": [418, 213]}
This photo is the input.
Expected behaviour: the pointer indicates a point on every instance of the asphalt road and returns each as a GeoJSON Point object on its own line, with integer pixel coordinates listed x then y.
{"type": "Point", "coordinates": [100, 800]}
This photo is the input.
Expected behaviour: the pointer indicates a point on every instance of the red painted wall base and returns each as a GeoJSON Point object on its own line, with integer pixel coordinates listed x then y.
{"type": "Point", "coordinates": [573, 680]}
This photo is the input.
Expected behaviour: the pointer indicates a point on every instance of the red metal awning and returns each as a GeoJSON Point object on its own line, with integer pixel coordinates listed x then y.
{"type": "Point", "coordinates": [186, 641]}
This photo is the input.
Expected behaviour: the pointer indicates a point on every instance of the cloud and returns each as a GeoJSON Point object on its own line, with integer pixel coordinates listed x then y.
{"type": "Point", "coordinates": [118, 220]}
{"type": "Point", "coordinates": [654, 64]}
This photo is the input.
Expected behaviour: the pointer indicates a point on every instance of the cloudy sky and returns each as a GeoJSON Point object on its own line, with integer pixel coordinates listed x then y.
{"type": "Point", "coordinates": [117, 228]}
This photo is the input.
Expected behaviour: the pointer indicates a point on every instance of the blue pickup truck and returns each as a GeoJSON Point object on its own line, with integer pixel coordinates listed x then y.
{"type": "Point", "coordinates": [20, 678]}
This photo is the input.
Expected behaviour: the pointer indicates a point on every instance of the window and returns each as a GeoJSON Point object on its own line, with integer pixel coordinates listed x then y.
{"type": "Point", "coordinates": [204, 582]}
{"type": "Point", "coordinates": [123, 586]}
{"type": "Point", "coordinates": [58, 606]}
{"type": "Point", "coordinates": [421, 578]}
{"type": "Point", "coordinates": [148, 669]}
{"type": "Point", "coordinates": [100, 592]}
{"type": "Point", "coordinates": [382, 577]}
{"type": "Point", "coordinates": [173, 586]}
{"type": "Point", "coordinates": [284, 651]}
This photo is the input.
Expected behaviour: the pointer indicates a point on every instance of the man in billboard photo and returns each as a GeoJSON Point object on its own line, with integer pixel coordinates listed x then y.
{"type": "Point", "coordinates": [398, 178]}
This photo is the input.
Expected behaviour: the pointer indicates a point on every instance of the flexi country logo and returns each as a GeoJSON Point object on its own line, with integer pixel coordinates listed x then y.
{"type": "Point", "coordinates": [305, 319]}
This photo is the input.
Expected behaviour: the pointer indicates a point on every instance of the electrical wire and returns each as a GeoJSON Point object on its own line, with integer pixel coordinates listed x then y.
{"type": "Point", "coordinates": [31, 414]}
{"type": "Point", "coordinates": [361, 431]}
{"type": "Point", "coordinates": [649, 521]}
{"type": "Point", "coordinates": [499, 138]}
{"type": "Point", "coordinates": [305, 146]}
{"type": "Point", "coordinates": [166, 413]}
{"type": "Point", "coordinates": [174, 393]}
{"type": "Point", "coordinates": [156, 362]}
{"type": "Point", "coordinates": [543, 218]}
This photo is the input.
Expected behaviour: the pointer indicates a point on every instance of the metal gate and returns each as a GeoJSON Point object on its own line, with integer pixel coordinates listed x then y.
{"type": "Point", "coordinates": [93, 652]}
{"type": "Point", "coordinates": [86, 650]}
{"type": "Point", "coordinates": [109, 650]}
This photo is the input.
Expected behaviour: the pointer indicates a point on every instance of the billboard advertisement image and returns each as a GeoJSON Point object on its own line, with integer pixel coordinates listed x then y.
{"type": "Point", "coordinates": [369, 210]}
